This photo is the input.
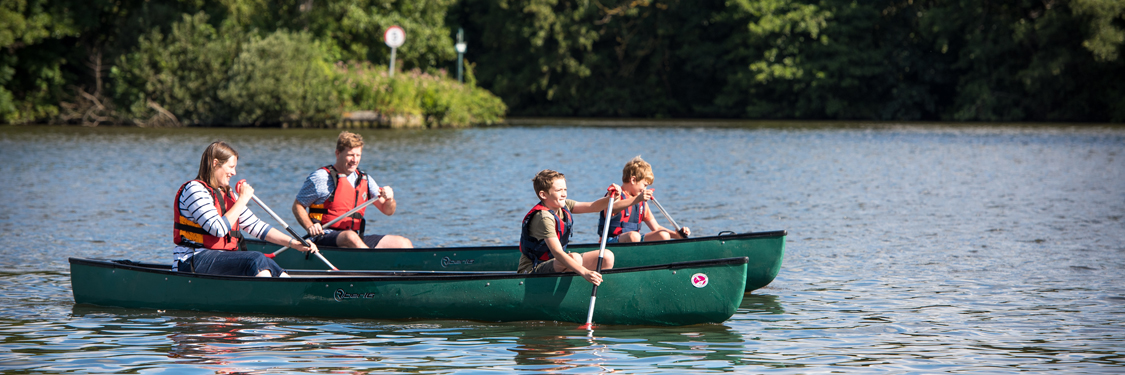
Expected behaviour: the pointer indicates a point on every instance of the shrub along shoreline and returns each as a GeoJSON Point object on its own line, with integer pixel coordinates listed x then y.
{"type": "Point", "coordinates": [198, 75]}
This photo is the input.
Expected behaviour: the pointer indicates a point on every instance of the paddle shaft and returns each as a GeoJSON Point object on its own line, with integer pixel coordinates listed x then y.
{"type": "Point", "coordinates": [665, 212]}
{"type": "Point", "coordinates": [338, 218]}
{"type": "Point", "coordinates": [287, 228]}
{"type": "Point", "coordinates": [601, 255]}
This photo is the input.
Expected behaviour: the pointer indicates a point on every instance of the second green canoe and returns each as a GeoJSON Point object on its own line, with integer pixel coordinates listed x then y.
{"type": "Point", "coordinates": [763, 249]}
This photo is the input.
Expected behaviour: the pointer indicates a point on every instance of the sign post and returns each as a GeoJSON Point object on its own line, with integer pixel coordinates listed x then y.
{"type": "Point", "coordinates": [394, 37]}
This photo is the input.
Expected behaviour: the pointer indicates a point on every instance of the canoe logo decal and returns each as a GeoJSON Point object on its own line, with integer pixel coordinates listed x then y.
{"type": "Point", "coordinates": [341, 295]}
{"type": "Point", "coordinates": [446, 262]}
{"type": "Point", "coordinates": [699, 280]}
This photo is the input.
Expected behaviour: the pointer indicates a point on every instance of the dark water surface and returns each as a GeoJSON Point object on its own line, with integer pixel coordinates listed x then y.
{"type": "Point", "coordinates": [911, 249]}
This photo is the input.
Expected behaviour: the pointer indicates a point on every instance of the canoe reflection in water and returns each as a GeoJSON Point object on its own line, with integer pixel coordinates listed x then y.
{"type": "Point", "coordinates": [618, 348]}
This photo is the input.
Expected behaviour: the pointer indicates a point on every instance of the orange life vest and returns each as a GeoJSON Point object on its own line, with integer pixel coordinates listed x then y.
{"type": "Point", "coordinates": [188, 233]}
{"type": "Point", "coordinates": [343, 198]}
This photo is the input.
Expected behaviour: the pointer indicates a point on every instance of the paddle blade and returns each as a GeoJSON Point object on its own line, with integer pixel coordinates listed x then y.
{"type": "Point", "coordinates": [269, 255]}
{"type": "Point", "coordinates": [587, 326]}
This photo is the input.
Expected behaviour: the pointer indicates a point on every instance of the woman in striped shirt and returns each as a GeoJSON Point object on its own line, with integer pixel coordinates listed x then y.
{"type": "Point", "coordinates": [208, 220]}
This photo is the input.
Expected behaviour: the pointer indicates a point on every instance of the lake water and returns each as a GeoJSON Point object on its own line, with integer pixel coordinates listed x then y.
{"type": "Point", "coordinates": [911, 248]}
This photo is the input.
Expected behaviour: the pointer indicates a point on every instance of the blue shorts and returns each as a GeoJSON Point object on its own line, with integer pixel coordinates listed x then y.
{"type": "Point", "coordinates": [616, 239]}
{"type": "Point", "coordinates": [329, 239]}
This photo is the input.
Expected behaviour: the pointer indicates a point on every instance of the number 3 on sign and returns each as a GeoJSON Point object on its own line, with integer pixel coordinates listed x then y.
{"type": "Point", "coordinates": [394, 36]}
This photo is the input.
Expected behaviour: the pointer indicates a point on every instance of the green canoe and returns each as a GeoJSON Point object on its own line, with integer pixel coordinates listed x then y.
{"type": "Point", "coordinates": [672, 294]}
{"type": "Point", "coordinates": [764, 249]}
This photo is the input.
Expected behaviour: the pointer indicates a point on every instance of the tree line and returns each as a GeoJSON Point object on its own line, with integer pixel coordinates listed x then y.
{"type": "Point", "coordinates": [951, 60]}
{"type": "Point", "coordinates": [205, 62]}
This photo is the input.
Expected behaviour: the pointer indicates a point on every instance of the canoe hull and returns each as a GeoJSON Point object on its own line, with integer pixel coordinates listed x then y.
{"type": "Point", "coordinates": [765, 251]}
{"type": "Point", "coordinates": [658, 295]}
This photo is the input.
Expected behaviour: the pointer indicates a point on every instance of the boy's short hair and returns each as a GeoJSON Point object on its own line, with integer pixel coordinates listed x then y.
{"type": "Point", "coordinates": [348, 141]}
{"type": "Point", "coordinates": [637, 168]}
{"type": "Point", "coordinates": [544, 179]}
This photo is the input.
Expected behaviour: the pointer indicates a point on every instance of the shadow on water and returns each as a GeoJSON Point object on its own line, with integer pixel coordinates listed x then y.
{"type": "Point", "coordinates": [760, 304]}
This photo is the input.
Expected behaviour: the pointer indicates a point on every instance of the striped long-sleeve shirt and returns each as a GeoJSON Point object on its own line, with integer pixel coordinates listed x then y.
{"type": "Point", "coordinates": [196, 204]}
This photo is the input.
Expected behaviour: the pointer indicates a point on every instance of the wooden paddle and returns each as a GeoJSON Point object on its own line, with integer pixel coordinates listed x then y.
{"type": "Point", "coordinates": [601, 254]}
{"type": "Point", "coordinates": [333, 221]}
{"type": "Point", "coordinates": [665, 212]}
{"type": "Point", "coordinates": [283, 224]}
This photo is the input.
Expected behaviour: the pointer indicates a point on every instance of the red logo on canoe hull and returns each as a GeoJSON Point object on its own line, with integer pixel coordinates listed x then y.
{"type": "Point", "coordinates": [699, 280]}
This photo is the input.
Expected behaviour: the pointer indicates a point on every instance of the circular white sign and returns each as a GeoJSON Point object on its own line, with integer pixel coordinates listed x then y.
{"type": "Point", "coordinates": [394, 36]}
{"type": "Point", "coordinates": [699, 280]}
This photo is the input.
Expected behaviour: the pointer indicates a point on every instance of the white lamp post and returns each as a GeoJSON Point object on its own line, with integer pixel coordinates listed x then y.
{"type": "Point", "coordinates": [461, 47]}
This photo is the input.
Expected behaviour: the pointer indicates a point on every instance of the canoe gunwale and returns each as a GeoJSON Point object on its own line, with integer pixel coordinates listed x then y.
{"type": "Point", "coordinates": [722, 236]}
{"type": "Point", "coordinates": [390, 275]}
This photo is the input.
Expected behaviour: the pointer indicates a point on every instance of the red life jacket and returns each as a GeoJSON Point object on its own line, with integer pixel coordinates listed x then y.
{"type": "Point", "coordinates": [628, 220]}
{"type": "Point", "coordinates": [343, 198]}
{"type": "Point", "coordinates": [536, 249]}
{"type": "Point", "coordinates": [188, 233]}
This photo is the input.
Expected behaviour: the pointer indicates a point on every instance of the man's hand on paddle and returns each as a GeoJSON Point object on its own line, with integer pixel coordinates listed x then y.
{"type": "Point", "coordinates": [315, 230]}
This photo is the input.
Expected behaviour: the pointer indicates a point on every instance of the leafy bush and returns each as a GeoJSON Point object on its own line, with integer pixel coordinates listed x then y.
{"type": "Point", "coordinates": [204, 76]}
{"type": "Point", "coordinates": [281, 78]}
{"type": "Point", "coordinates": [181, 72]}
{"type": "Point", "coordinates": [440, 100]}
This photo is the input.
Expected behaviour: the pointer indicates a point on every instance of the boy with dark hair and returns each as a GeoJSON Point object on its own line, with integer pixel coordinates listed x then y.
{"type": "Point", "coordinates": [547, 228]}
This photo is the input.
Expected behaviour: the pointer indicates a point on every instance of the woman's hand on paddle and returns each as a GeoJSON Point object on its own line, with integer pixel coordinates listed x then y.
{"type": "Point", "coordinates": [387, 193]}
{"type": "Point", "coordinates": [244, 190]}
{"type": "Point", "coordinates": [685, 232]}
{"type": "Point", "coordinates": [297, 244]}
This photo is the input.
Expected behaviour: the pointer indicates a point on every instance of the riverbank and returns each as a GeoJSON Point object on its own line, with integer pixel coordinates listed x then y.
{"type": "Point", "coordinates": [374, 120]}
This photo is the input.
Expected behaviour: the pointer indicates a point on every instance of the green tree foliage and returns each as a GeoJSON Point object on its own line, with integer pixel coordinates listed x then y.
{"type": "Point", "coordinates": [353, 29]}
{"type": "Point", "coordinates": [283, 78]}
{"type": "Point", "coordinates": [55, 50]}
{"type": "Point", "coordinates": [960, 60]}
{"type": "Point", "coordinates": [182, 72]}
{"type": "Point", "coordinates": [1106, 34]}
{"type": "Point", "coordinates": [29, 79]}
{"type": "Point", "coordinates": [532, 52]}
{"type": "Point", "coordinates": [200, 61]}
{"type": "Point", "coordinates": [964, 60]}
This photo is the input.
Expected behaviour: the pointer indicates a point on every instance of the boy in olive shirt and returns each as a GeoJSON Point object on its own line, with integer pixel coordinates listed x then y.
{"type": "Point", "coordinates": [547, 228]}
